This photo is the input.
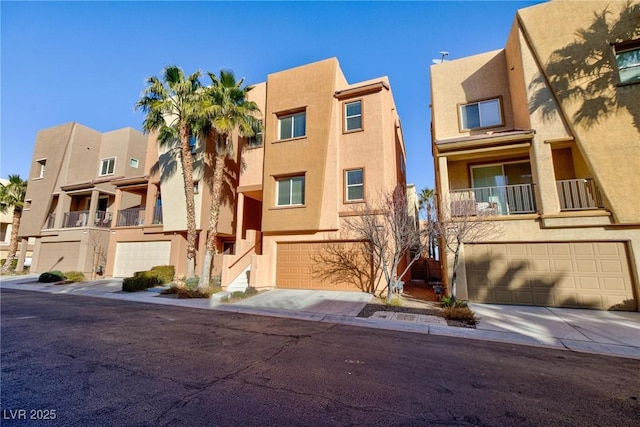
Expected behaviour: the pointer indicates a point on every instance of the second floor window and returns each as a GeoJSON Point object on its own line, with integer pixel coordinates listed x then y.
{"type": "Point", "coordinates": [353, 116]}
{"type": "Point", "coordinates": [107, 166]}
{"type": "Point", "coordinates": [290, 191]}
{"type": "Point", "coordinates": [193, 144]}
{"type": "Point", "coordinates": [293, 126]}
{"type": "Point", "coordinates": [483, 114]}
{"type": "Point", "coordinates": [354, 185]}
{"type": "Point", "coordinates": [256, 139]}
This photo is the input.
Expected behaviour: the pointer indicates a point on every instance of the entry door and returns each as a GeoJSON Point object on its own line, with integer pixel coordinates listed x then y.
{"type": "Point", "coordinates": [490, 182]}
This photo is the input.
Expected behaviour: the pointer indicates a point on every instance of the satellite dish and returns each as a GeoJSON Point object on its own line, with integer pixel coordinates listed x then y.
{"type": "Point", "coordinates": [443, 54]}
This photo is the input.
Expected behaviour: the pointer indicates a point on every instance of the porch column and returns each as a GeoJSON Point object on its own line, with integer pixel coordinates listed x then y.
{"type": "Point", "coordinates": [544, 176]}
{"type": "Point", "coordinates": [64, 206]}
{"type": "Point", "coordinates": [22, 253]}
{"type": "Point", "coordinates": [239, 216]}
{"type": "Point", "coordinates": [93, 207]}
{"type": "Point", "coordinates": [443, 179]}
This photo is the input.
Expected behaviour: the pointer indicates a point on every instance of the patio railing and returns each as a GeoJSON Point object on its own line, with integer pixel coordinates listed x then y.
{"type": "Point", "coordinates": [131, 216]}
{"type": "Point", "coordinates": [499, 200]}
{"type": "Point", "coordinates": [579, 194]}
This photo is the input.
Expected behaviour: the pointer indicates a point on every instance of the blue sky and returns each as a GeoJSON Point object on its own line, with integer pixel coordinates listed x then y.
{"type": "Point", "coordinates": [87, 61]}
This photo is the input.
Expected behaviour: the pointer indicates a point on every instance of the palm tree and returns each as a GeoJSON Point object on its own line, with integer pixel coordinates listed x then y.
{"type": "Point", "coordinates": [227, 109]}
{"type": "Point", "coordinates": [425, 200]}
{"type": "Point", "coordinates": [12, 197]}
{"type": "Point", "coordinates": [173, 107]}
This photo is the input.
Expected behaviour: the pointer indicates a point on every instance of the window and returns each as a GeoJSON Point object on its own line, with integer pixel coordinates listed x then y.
{"type": "Point", "coordinates": [481, 114]}
{"type": "Point", "coordinates": [192, 144]}
{"type": "Point", "coordinates": [133, 163]}
{"type": "Point", "coordinates": [196, 187]}
{"type": "Point", "coordinates": [354, 180]}
{"type": "Point", "coordinates": [628, 59]}
{"type": "Point", "coordinates": [107, 166]}
{"type": "Point", "coordinates": [353, 116]}
{"type": "Point", "coordinates": [256, 139]}
{"type": "Point", "coordinates": [42, 164]}
{"type": "Point", "coordinates": [293, 126]}
{"type": "Point", "coordinates": [290, 191]}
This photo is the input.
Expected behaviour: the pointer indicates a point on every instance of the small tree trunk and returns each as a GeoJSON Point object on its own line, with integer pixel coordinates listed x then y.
{"type": "Point", "coordinates": [13, 244]}
{"type": "Point", "coordinates": [214, 216]}
{"type": "Point", "coordinates": [455, 271]}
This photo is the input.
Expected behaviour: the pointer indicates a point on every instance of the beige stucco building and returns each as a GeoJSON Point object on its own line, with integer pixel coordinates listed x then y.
{"type": "Point", "coordinates": [326, 147]}
{"type": "Point", "coordinates": [542, 137]}
{"type": "Point", "coordinates": [69, 205]}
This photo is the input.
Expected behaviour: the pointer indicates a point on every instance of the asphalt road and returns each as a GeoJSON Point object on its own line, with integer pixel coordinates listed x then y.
{"type": "Point", "coordinates": [90, 361]}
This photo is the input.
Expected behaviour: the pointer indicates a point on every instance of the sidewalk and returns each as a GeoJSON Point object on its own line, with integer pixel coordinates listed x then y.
{"type": "Point", "coordinates": [601, 332]}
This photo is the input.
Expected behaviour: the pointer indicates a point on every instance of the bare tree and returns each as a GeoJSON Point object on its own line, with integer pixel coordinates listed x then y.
{"type": "Point", "coordinates": [392, 234]}
{"type": "Point", "coordinates": [344, 263]}
{"type": "Point", "coordinates": [461, 219]}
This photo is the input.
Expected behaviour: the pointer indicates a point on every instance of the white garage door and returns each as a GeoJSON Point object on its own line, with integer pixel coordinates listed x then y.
{"type": "Point", "coordinates": [571, 274]}
{"type": "Point", "coordinates": [62, 256]}
{"type": "Point", "coordinates": [140, 256]}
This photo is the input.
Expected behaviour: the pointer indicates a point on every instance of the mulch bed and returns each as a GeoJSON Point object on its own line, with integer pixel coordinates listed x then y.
{"type": "Point", "coordinates": [417, 298]}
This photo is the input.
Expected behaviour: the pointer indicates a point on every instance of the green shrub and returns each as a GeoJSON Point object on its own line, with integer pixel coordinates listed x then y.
{"type": "Point", "coordinates": [165, 273]}
{"type": "Point", "coordinates": [140, 281]}
{"type": "Point", "coordinates": [74, 276]}
{"type": "Point", "coordinates": [463, 314]}
{"type": "Point", "coordinates": [51, 276]}
{"type": "Point", "coordinates": [448, 302]}
{"type": "Point", "coordinates": [14, 263]}
{"type": "Point", "coordinates": [239, 295]}
{"type": "Point", "coordinates": [183, 292]}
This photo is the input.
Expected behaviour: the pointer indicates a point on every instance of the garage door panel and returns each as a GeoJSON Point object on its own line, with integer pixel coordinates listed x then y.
{"type": "Point", "coordinates": [584, 274]}
{"type": "Point", "coordinates": [140, 256]}
{"type": "Point", "coordinates": [299, 266]}
{"type": "Point", "coordinates": [62, 256]}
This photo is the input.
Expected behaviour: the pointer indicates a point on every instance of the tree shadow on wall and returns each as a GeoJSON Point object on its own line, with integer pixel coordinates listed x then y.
{"type": "Point", "coordinates": [346, 263]}
{"type": "Point", "coordinates": [586, 71]}
{"type": "Point", "coordinates": [512, 285]}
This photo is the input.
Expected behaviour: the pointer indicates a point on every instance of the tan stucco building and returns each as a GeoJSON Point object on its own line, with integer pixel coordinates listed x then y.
{"type": "Point", "coordinates": [326, 147]}
{"type": "Point", "coordinates": [543, 137]}
{"type": "Point", "coordinates": [69, 205]}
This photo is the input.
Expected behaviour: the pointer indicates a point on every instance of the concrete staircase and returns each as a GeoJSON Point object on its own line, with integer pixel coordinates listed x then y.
{"type": "Point", "coordinates": [240, 283]}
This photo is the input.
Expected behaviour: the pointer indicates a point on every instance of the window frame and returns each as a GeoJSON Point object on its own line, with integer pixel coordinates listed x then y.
{"type": "Point", "coordinates": [345, 117]}
{"type": "Point", "coordinates": [133, 160]}
{"type": "Point", "coordinates": [290, 178]}
{"type": "Point", "coordinates": [43, 166]}
{"type": "Point", "coordinates": [257, 141]}
{"type": "Point", "coordinates": [193, 144]}
{"type": "Point", "coordinates": [622, 48]}
{"type": "Point", "coordinates": [113, 167]}
{"type": "Point", "coordinates": [461, 106]}
{"type": "Point", "coordinates": [347, 186]}
{"type": "Point", "coordinates": [292, 114]}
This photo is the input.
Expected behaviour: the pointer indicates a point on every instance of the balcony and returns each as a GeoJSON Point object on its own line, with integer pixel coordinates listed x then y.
{"type": "Point", "coordinates": [500, 200]}
{"type": "Point", "coordinates": [81, 219]}
{"type": "Point", "coordinates": [130, 217]}
{"type": "Point", "coordinates": [579, 194]}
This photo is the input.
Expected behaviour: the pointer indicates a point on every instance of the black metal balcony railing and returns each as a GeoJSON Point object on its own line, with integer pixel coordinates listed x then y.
{"type": "Point", "coordinates": [131, 216]}
{"type": "Point", "coordinates": [81, 219]}
{"type": "Point", "coordinates": [499, 200]}
{"type": "Point", "coordinates": [579, 194]}
{"type": "Point", "coordinates": [75, 219]}
{"type": "Point", "coordinates": [103, 219]}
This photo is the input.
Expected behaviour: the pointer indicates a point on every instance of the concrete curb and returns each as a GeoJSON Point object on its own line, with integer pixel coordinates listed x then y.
{"type": "Point", "coordinates": [566, 344]}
